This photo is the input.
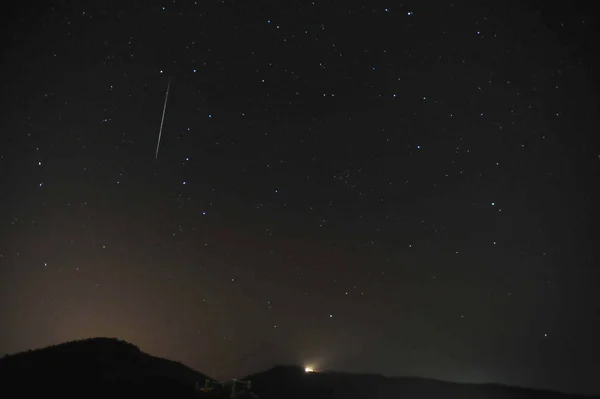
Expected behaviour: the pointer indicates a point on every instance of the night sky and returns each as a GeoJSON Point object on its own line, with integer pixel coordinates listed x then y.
{"type": "Point", "coordinates": [407, 189]}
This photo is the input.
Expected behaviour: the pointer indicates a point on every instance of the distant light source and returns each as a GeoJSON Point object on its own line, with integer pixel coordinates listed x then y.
{"type": "Point", "coordinates": [308, 370]}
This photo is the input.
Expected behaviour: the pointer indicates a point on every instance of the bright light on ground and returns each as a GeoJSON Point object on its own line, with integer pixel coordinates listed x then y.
{"type": "Point", "coordinates": [308, 369]}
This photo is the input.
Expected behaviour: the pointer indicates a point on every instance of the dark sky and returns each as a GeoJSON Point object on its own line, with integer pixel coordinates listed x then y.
{"type": "Point", "coordinates": [408, 189]}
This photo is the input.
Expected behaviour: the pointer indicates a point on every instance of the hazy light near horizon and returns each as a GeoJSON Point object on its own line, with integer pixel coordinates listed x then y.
{"type": "Point", "coordinates": [308, 369]}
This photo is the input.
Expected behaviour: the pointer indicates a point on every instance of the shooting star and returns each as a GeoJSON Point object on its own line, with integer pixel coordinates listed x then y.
{"type": "Point", "coordinates": [162, 119]}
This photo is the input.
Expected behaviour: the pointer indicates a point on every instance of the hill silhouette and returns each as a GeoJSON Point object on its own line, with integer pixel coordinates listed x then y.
{"type": "Point", "coordinates": [291, 382]}
{"type": "Point", "coordinates": [92, 368]}
{"type": "Point", "coordinates": [99, 367]}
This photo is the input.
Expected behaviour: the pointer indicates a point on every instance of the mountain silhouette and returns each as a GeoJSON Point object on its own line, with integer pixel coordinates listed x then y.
{"type": "Point", "coordinates": [105, 367]}
{"type": "Point", "coordinates": [292, 382]}
{"type": "Point", "coordinates": [92, 368]}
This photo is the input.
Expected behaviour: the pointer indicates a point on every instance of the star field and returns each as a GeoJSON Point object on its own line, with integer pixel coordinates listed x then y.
{"type": "Point", "coordinates": [405, 189]}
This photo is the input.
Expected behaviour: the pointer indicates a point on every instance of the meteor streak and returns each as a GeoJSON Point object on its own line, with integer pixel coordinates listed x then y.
{"type": "Point", "coordinates": [162, 119]}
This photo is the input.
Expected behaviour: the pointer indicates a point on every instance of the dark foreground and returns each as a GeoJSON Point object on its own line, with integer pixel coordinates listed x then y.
{"type": "Point", "coordinates": [102, 367]}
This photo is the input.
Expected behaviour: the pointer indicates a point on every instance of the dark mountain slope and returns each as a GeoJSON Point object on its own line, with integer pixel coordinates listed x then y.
{"type": "Point", "coordinates": [292, 382]}
{"type": "Point", "coordinates": [94, 367]}
{"type": "Point", "coordinates": [102, 367]}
